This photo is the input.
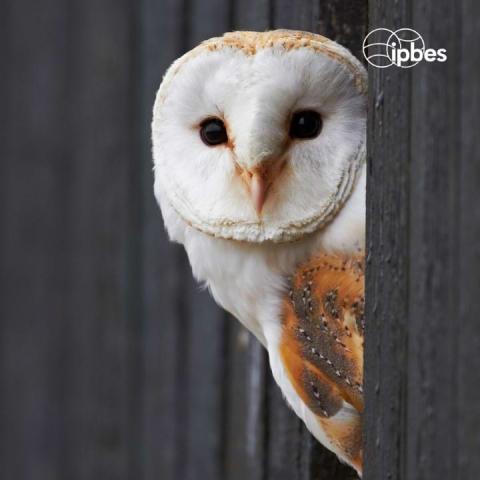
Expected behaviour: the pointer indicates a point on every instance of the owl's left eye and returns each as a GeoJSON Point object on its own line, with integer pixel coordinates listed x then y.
{"type": "Point", "coordinates": [305, 124]}
{"type": "Point", "coordinates": [213, 132]}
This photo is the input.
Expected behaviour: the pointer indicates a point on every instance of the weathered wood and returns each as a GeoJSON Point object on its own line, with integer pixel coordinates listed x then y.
{"type": "Point", "coordinates": [433, 328]}
{"type": "Point", "coordinates": [162, 265]}
{"type": "Point", "coordinates": [65, 326]}
{"type": "Point", "coordinates": [100, 151]}
{"type": "Point", "coordinates": [32, 277]}
{"type": "Point", "coordinates": [345, 22]}
{"type": "Point", "coordinates": [421, 384]}
{"type": "Point", "coordinates": [387, 261]}
{"type": "Point", "coordinates": [468, 340]}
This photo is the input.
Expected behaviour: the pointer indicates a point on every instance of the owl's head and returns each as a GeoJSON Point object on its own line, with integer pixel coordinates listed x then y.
{"type": "Point", "coordinates": [260, 136]}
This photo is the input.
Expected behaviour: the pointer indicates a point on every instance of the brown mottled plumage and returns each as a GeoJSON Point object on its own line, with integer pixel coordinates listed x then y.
{"type": "Point", "coordinates": [322, 344]}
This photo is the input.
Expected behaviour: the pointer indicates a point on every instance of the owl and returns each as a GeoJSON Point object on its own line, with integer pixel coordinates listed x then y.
{"type": "Point", "coordinates": [259, 157]}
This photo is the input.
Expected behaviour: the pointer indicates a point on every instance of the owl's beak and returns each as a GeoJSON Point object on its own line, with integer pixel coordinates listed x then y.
{"type": "Point", "coordinates": [258, 191]}
{"type": "Point", "coordinates": [258, 181]}
{"type": "Point", "coordinates": [257, 186]}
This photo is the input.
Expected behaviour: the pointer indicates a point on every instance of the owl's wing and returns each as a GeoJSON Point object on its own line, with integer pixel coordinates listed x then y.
{"type": "Point", "coordinates": [322, 346]}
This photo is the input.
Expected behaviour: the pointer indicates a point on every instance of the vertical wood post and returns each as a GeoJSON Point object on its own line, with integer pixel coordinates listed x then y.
{"type": "Point", "coordinates": [423, 304]}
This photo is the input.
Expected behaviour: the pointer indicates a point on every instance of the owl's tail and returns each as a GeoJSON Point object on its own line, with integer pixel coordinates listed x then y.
{"type": "Point", "coordinates": [344, 430]}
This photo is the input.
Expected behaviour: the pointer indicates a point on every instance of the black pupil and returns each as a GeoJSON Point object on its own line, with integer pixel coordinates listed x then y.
{"type": "Point", "coordinates": [212, 131]}
{"type": "Point", "coordinates": [305, 124]}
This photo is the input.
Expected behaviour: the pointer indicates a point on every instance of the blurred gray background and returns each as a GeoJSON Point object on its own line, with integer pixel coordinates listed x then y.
{"type": "Point", "coordinates": [113, 363]}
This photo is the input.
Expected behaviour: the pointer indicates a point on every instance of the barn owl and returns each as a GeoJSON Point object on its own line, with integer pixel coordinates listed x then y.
{"type": "Point", "coordinates": [259, 159]}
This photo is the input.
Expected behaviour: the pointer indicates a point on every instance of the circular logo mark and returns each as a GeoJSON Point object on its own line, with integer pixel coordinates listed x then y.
{"type": "Point", "coordinates": [383, 48]}
{"type": "Point", "coordinates": [408, 41]}
{"type": "Point", "coordinates": [376, 46]}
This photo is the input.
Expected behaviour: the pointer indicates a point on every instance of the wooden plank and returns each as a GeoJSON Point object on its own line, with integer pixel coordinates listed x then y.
{"type": "Point", "coordinates": [246, 414]}
{"type": "Point", "coordinates": [468, 340]}
{"type": "Point", "coordinates": [203, 386]}
{"type": "Point", "coordinates": [99, 331]}
{"type": "Point", "coordinates": [161, 33]}
{"type": "Point", "coordinates": [345, 22]}
{"type": "Point", "coordinates": [208, 19]}
{"type": "Point", "coordinates": [299, 15]}
{"type": "Point", "coordinates": [243, 405]}
{"type": "Point", "coordinates": [422, 339]}
{"type": "Point", "coordinates": [65, 343]}
{"type": "Point", "coordinates": [436, 297]}
{"type": "Point", "coordinates": [251, 15]}
{"type": "Point", "coordinates": [434, 255]}
{"type": "Point", "coordinates": [342, 21]}
{"type": "Point", "coordinates": [32, 277]}
{"type": "Point", "coordinates": [387, 261]}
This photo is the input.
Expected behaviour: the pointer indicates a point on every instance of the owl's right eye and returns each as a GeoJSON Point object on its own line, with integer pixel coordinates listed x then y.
{"type": "Point", "coordinates": [213, 132]}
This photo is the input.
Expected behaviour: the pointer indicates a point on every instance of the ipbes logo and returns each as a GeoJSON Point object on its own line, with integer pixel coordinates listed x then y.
{"type": "Point", "coordinates": [404, 48]}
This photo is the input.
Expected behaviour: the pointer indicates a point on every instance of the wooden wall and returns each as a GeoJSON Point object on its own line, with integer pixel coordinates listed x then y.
{"type": "Point", "coordinates": [423, 285]}
{"type": "Point", "coordinates": [113, 363]}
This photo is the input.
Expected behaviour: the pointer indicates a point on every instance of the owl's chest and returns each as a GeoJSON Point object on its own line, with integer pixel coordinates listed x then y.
{"type": "Point", "coordinates": [247, 281]}
{"type": "Point", "coordinates": [249, 295]}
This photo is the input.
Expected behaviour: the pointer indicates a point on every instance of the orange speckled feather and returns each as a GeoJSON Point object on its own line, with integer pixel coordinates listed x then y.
{"type": "Point", "coordinates": [322, 344]}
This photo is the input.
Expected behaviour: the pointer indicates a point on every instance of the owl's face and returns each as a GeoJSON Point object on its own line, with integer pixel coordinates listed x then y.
{"type": "Point", "coordinates": [259, 136]}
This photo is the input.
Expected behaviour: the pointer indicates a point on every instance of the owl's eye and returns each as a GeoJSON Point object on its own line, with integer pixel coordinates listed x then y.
{"type": "Point", "coordinates": [213, 132]}
{"type": "Point", "coordinates": [305, 124]}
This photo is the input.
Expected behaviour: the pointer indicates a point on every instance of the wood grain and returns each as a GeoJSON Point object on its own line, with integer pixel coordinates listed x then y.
{"type": "Point", "coordinates": [422, 327]}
